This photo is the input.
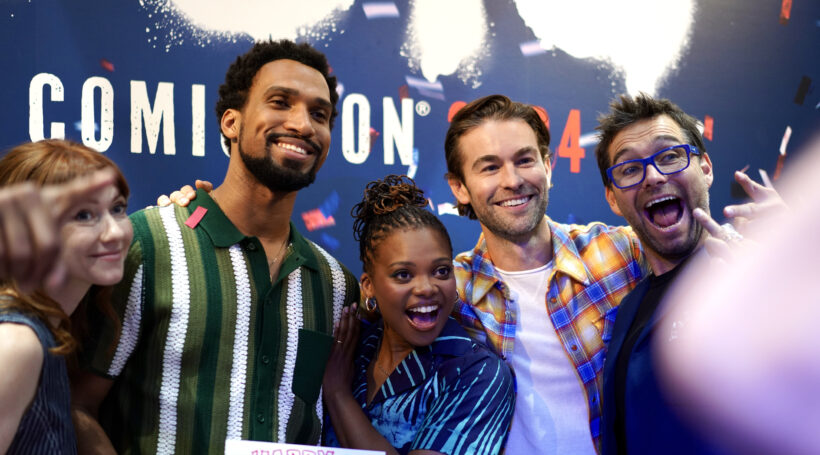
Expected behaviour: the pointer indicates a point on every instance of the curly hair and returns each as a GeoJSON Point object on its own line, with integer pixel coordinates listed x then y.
{"type": "Point", "coordinates": [233, 94]}
{"type": "Point", "coordinates": [394, 202]}
{"type": "Point", "coordinates": [471, 116]}
{"type": "Point", "coordinates": [626, 111]}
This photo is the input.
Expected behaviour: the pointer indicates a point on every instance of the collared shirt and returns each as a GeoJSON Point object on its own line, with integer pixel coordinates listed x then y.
{"type": "Point", "coordinates": [210, 348]}
{"type": "Point", "coordinates": [454, 396]}
{"type": "Point", "coordinates": [595, 267]}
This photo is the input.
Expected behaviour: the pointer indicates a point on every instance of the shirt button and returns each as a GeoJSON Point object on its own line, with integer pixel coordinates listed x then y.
{"type": "Point", "coordinates": [574, 347]}
{"type": "Point", "coordinates": [260, 418]}
{"type": "Point", "coordinates": [265, 359]}
{"type": "Point", "coordinates": [252, 246]}
{"type": "Point", "coordinates": [553, 300]}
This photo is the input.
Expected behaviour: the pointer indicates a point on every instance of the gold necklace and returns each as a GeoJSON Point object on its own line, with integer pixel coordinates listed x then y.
{"type": "Point", "coordinates": [279, 255]}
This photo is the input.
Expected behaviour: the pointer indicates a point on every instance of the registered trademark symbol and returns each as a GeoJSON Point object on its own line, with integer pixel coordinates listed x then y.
{"type": "Point", "coordinates": [423, 108]}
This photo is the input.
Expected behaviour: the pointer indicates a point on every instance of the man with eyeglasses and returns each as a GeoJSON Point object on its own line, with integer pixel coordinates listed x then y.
{"type": "Point", "coordinates": [657, 173]}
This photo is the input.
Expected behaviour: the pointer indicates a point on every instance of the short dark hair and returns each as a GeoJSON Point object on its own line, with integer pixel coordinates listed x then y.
{"type": "Point", "coordinates": [626, 111]}
{"type": "Point", "coordinates": [233, 94]}
{"type": "Point", "coordinates": [492, 107]}
{"type": "Point", "coordinates": [392, 203]}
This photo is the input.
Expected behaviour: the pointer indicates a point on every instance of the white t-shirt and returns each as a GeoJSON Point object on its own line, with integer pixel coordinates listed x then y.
{"type": "Point", "coordinates": [551, 412]}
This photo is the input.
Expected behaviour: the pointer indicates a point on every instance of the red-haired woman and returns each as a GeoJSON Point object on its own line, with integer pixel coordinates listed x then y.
{"type": "Point", "coordinates": [35, 330]}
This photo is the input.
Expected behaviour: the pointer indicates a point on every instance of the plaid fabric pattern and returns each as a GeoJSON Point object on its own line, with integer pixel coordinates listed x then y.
{"type": "Point", "coordinates": [595, 267]}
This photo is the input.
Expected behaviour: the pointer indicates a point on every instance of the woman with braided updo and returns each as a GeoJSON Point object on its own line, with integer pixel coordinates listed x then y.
{"type": "Point", "coordinates": [420, 385]}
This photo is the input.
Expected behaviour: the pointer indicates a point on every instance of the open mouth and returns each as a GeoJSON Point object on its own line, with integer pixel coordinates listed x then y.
{"type": "Point", "coordinates": [664, 212]}
{"type": "Point", "coordinates": [423, 317]}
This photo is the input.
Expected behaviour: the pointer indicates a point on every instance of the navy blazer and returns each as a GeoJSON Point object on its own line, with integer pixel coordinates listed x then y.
{"type": "Point", "coordinates": [652, 426]}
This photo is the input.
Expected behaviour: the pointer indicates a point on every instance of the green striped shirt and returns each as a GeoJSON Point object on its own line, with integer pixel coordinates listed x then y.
{"type": "Point", "coordinates": [209, 349]}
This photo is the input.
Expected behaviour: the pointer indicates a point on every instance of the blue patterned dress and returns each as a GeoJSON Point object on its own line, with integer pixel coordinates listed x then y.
{"type": "Point", "coordinates": [454, 396]}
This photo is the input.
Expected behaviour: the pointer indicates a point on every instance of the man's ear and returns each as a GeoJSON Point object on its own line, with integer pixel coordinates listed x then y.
{"type": "Point", "coordinates": [706, 167]}
{"type": "Point", "coordinates": [459, 189]}
{"type": "Point", "coordinates": [230, 124]}
{"type": "Point", "coordinates": [613, 204]}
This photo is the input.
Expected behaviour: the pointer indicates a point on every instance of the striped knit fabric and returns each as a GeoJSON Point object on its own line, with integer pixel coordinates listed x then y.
{"type": "Point", "coordinates": [45, 427]}
{"type": "Point", "coordinates": [209, 348]}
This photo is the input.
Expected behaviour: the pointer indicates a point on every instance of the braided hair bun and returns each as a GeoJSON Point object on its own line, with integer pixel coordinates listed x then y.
{"type": "Point", "coordinates": [394, 202]}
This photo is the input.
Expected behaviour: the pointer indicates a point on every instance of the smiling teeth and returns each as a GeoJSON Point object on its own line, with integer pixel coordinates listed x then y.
{"type": "Point", "coordinates": [424, 309]}
{"type": "Point", "coordinates": [656, 201]}
{"type": "Point", "coordinates": [513, 202]}
{"type": "Point", "coordinates": [294, 148]}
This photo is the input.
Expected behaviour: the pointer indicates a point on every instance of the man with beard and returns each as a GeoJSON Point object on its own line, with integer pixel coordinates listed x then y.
{"type": "Point", "coordinates": [536, 291]}
{"type": "Point", "coordinates": [656, 172]}
{"type": "Point", "coordinates": [227, 311]}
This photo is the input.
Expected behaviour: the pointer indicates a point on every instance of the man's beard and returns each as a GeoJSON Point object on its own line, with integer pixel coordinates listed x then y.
{"type": "Point", "coordinates": [285, 178]}
{"type": "Point", "coordinates": [514, 229]}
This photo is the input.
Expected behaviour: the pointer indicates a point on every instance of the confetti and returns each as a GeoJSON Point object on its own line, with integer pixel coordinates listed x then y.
{"type": "Point", "coordinates": [446, 208]}
{"type": "Point", "coordinates": [404, 92]}
{"type": "Point", "coordinates": [765, 177]}
{"type": "Point", "coordinates": [708, 126]}
{"type": "Point", "coordinates": [588, 140]}
{"type": "Point", "coordinates": [423, 84]}
{"type": "Point", "coordinates": [802, 90]}
{"type": "Point", "coordinates": [330, 204]}
{"type": "Point", "coordinates": [785, 141]}
{"type": "Point", "coordinates": [431, 94]}
{"type": "Point", "coordinates": [314, 219]}
{"type": "Point", "coordinates": [785, 11]}
{"type": "Point", "coordinates": [411, 170]}
{"type": "Point", "coordinates": [531, 48]}
{"type": "Point", "coordinates": [108, 66]}
{"type": "Point", "coordinates": [374, 134]}
{"type": "Point", "coordinates": [379, 10]}
{"type": "Point", "coordinates": [781, 158]}
{"type": "Point", "coordinates": [328, 241]}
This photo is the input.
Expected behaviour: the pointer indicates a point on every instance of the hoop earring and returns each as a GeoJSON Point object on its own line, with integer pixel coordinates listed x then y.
{"type": "Point", "coordinates": [370, 304]}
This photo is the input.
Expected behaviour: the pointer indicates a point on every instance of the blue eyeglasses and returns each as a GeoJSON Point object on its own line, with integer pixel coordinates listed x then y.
{"type": "Point", "coordinates": [670, 160]}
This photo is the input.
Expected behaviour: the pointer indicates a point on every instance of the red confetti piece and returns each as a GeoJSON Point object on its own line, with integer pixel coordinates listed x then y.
{"type": "Point", "coordinates": [315, 219]}
{"type": "Point", "coordinates": [374, 134]}
{"type": "Point", "coordinates": [404, 92]}
{"type": "Point", "coordinates": [785, 11]}
{"type": "Point", "coordinates": [708, 126]}
{"type": "Point", "coordinates": [196, 217]}
{"type": "Point", "coordinates": [454, 108]}
{"type": "Point", "coordinates": [108, 66]}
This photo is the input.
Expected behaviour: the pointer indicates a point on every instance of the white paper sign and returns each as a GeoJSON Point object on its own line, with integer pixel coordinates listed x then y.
{"type": "Point", "coordinates": [236, 447]}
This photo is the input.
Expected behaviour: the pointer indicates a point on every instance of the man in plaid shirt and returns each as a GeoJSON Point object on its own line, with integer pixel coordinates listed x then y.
{"type": "Point", "coordinates": [538, 292]}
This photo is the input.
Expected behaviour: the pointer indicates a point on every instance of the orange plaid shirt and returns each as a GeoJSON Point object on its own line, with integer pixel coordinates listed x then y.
{"type": "Point", "coordinates": [595, 266]}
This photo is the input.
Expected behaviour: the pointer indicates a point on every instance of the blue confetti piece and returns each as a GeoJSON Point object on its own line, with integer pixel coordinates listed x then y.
{"type": "Point", "coordinates": [331, 243]}
{"type": "Point", "coordinates": [330, 205]}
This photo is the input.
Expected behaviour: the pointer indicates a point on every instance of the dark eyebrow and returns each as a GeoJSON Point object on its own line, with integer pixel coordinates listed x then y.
{"type": "Point", "coordinates": [666, 138]}
{"type": "Point", "coordinates": [277, 89]}
{"type": "Point", "coordinates": [491, 158]}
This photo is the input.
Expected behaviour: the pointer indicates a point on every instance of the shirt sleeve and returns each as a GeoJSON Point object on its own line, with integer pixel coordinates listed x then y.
{"type": "Point", "coordinates": [113, 331]}
{"type": "Point", "coordinates": [473, 412]}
